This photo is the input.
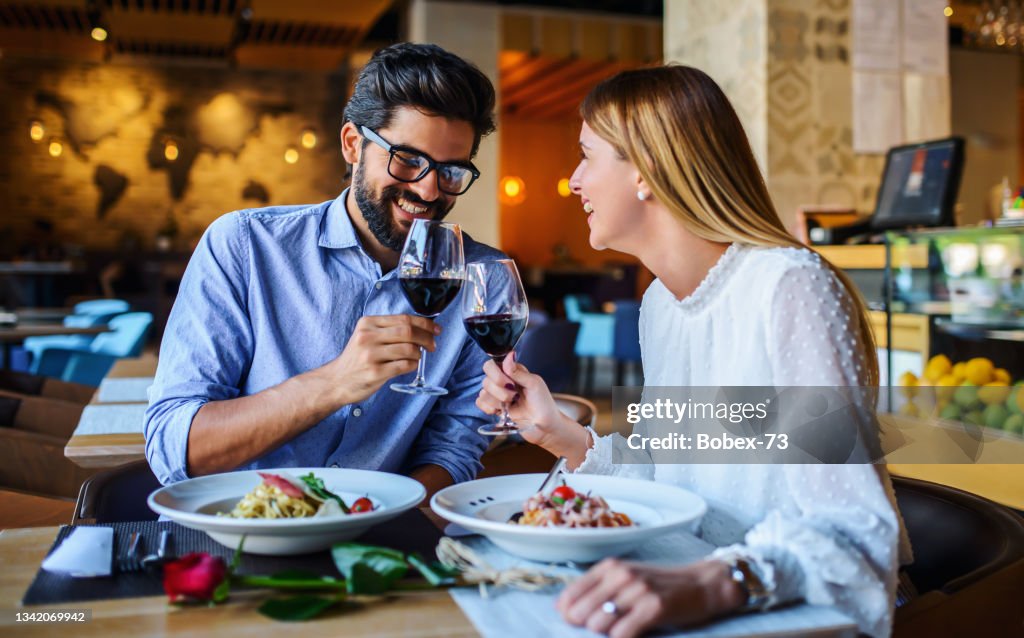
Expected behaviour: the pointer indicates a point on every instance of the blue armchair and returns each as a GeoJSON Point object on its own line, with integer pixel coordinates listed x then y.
{"type": "Point", "coordinates": [90, 364]}
{"type": "Point", "coordinates": [86, 315]}
{"type": "Point", "coordinates": [596, 336]}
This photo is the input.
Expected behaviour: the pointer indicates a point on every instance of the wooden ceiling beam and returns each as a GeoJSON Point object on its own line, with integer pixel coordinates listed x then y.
{"type": "Point", "coordinates": [529, 70]}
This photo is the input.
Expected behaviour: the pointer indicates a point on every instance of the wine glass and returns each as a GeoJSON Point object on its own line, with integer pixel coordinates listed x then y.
{"type": "Point", "coordinates": [495, 312]}
{"type": "Point", "coordinates": [430, 270]}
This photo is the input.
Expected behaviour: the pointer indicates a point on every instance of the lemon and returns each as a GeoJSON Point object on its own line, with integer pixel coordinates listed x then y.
{"type": "Point", "coordinates": [910, 409]}
{"type": "Point", "coordinates": [993, 393]}
{"type": "Point", "coordinates": [966, 396]}
{"type": "Point", "coordinates": [908, 384]}
{"type": "Point", "coordinates": [979, 370]}
{"type": "Point", "coordinates": [937, 367]}
{"type": "Point", "coordinates": [945, 387]}
{"type": "Point", "coordinates": [960, 372]}
{"type": "Point", "coordinates": [1000, 374]}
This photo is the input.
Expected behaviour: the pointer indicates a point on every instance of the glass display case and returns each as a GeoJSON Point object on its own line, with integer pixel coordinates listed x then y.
{"type": "Point", "coordinates": [968, 283]}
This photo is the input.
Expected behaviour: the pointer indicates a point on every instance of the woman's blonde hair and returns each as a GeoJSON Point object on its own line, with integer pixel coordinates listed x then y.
{"type": "Point", "coordinates": [679, 129]}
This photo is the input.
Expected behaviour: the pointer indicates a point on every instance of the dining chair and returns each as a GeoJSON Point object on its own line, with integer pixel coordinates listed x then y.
{"type": "Point", "coordinates": [626, 339]}
{"type": "Point", "coordinates": [513, 455]}
{"type": "Point", "coordinates": [85, 314]}
{"type": "Point", "coordinates": [596, 335]}
{"type": "Point", "coordinates": [117, 495]}
{"type": "Point", "coordinates": [547, 350]}
{"type": "Point", "coordinates": [90, 364]}
{"type": "Point", "coordinates": [968, 565]}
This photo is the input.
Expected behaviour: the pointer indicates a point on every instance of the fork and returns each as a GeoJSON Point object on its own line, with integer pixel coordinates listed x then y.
{"type": "Point", "coordinates": [130, 562]}
{"type": "Point", "coordinates": [160, 557]}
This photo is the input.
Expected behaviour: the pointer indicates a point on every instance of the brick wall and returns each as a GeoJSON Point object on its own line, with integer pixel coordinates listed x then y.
{"type": "Point", "coordinates": [234, 125]}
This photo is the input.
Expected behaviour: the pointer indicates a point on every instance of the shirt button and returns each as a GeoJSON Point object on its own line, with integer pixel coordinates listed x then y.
{"type": "Point", "coordinates": [334, 465]}
{"type": "Point", "coordinates": [357, 412]}
{"type": "Point", "coordinates": [378, 285]}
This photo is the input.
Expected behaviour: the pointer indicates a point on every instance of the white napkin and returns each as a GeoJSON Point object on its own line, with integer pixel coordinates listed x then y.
{"type": "Point", "coordinates": [85, 553]}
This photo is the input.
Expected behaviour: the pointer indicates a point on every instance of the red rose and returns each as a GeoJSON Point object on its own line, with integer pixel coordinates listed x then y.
{"type": "Point", "coordinates": [194, 576]}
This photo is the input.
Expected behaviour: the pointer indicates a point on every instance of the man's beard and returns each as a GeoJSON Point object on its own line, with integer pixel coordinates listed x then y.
{"type": "Point", "coordinates": [377, 210]}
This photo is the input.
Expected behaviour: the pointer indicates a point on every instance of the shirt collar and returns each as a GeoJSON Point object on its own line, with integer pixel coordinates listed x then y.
{"type": "Point", "coordinates": [336, 230]}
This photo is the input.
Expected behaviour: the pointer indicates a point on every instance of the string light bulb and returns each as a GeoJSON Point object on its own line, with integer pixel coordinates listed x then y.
{"type": "Point", "coordinates": [308, 139]}
{"type": "Point", "coordinates": [512, 190]}
{"type": "Point", "coordinates": [291, 155]}
{"type": "Point", "coordinates": [170, 150]}
{"type": "Point", "coordinates": [99, 34]}
{"type": "Point", "coordinates": [56, 148]}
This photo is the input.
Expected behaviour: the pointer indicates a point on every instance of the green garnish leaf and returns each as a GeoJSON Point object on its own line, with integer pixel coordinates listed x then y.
{"type": "Point", "coordinates": [316, 485]}
{"type": "Point", "coordinates": [369, 569]}
{"type": "Point", "coordinates": [436, 573]}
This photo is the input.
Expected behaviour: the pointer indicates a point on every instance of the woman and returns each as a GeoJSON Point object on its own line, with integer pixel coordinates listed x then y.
{"type": "Point", "coordinates": [667, 174]}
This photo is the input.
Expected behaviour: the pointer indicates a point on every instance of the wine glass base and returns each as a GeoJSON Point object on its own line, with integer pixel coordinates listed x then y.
{"type": "Point", "coordinates": [498, 429]}
{"type": "Point", "coordinates": [411, 388]}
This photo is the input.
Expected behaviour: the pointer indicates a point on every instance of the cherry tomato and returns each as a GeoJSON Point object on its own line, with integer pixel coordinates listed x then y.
{"type": "Point", "coordinates": [563, 493]}
{"type": "Point", "coordinates": [362, 504]}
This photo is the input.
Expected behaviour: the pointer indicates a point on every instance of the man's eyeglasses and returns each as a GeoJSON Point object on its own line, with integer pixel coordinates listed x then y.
{"type": "Point", "coordinates": [409, 165]}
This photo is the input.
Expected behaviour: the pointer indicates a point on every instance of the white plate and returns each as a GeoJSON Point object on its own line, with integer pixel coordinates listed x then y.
{"type": "Point", "coordinates": [194, 503]}
{"type": "Point", "coordinates": [484, 507]}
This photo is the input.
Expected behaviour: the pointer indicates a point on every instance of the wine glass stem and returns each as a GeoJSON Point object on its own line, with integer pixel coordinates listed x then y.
{"type": "Point", "coordinates": [419, 380]}
{"type": "Point", "coordinates": [504, 423]}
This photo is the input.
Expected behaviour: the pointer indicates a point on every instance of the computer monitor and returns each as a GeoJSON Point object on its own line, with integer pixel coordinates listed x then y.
{"type": "Point", "coordinates": [919, 185]}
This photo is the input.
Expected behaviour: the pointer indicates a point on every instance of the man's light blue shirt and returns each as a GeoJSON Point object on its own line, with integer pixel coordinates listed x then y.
{"type": "Point", "coordinates": [273, 292]}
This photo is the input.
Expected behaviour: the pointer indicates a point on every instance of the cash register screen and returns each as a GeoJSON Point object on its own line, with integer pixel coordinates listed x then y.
{"type": "Point", "coordinates": [919, 185]}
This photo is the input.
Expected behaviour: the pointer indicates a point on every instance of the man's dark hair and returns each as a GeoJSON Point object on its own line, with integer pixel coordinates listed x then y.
{"type": "Point", "coordinates": [427, 78]}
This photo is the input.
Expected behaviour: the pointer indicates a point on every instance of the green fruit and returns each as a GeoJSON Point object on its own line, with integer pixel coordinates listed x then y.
{"type": "Point", "coordinates": [995, 415]}
{"type": "Point", "coordinates": [1014, 400]}
{"type": "Point", "coordinates": [951, 411]}
{"type": "Point", "coordinates": [966, 395]}
{"type": "Point", "coordinates": [1014, 424]}
{"type": "Point", "coordinates": [977, 417]}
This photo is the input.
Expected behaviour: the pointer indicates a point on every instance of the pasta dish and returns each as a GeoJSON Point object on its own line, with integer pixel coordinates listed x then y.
{"type": "Point", "coordinates": [282, 496]}
{"type": "Point", "coordinates": [564, 507]}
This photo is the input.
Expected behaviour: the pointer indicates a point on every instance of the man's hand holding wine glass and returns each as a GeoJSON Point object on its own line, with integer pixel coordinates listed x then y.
{"type": "Point", "coordinates": [382, 347]}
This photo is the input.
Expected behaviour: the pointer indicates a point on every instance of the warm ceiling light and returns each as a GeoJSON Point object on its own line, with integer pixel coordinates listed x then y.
{"type": "Point", "coordinates": [170, 150]}
{"type": "Point", "coordinates": [99, 34]}
{"type": "Point", "coordinates": [36, 131]}
{"type": "Point", "coordinates": [512, 190]}
{"type": "Point", "coordinates": [308, 138]}
{"type": "Point", "coordinates": [291, 156]}
{"type": "Point", "coordinates": [948, 11]}
{"type": "Point", "coordinates": [56, 148]}
{"type": "Point", "coordinates": [563, 187]}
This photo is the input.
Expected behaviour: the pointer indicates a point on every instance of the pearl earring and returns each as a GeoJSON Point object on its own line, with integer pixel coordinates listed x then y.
{"type": "Point", "coordinates": [641, 195]}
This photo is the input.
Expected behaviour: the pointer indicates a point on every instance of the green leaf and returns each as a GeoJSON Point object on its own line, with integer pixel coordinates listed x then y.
{"type": "Point", "coordinates": [316, 485]}
{"type": "Point", "coordinates": [437, 574]}
{"type": "Point", "coordinates": [346, 555]}
{"type": "Point", "coordinates": [365, 580]}
{"type": "Point", "coordinates": [236, 559]}
{"type": "Point", "coordinates": [296, 608]}
{"type": "Point", "coordinates": [223, 589]}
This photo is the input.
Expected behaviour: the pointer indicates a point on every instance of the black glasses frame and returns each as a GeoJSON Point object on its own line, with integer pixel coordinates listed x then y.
{"type": "Point", "coordinates": [432, 164]}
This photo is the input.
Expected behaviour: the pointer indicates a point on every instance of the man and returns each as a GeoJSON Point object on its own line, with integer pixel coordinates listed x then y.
{"type": "Point", "coordinates": [250, 374]}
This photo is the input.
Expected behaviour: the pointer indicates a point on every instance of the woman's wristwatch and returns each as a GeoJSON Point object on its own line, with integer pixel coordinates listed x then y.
{"type": "Point", "coordinates": [745, 573]}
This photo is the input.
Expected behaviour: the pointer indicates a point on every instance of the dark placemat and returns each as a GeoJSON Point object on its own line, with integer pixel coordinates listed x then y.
{"type": "Point", "coordinates": [410, 532]}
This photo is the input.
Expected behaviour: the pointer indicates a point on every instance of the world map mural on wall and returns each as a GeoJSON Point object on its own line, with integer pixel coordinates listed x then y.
{"type": "Point", "coordinates": [221, 124]}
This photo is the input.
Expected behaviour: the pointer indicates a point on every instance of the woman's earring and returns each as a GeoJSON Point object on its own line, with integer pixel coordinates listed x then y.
{"type": "Point", "coordinates": [641, 195]}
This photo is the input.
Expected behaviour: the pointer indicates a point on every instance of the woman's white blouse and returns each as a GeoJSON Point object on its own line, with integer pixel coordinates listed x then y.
{"type": "Point", "coordinates": [828, 534]}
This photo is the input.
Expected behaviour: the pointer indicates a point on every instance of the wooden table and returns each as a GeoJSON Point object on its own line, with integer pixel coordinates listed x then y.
{"type": "Point", "coordinates": [18, 509]}
{"type": "Point", "coordinates": [22, 550]}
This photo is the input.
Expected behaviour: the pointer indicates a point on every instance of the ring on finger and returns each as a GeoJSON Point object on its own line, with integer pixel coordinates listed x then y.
{"type": "Point", "coordinates": [609, 607]}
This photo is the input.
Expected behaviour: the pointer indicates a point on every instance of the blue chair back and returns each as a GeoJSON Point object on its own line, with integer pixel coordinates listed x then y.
{"type": "Point", "coordinates": [576, 305]}
{"type": "Point", "coordinates": [547, 350]}
{"type": "Point", "coordinates": [595, 335]}
{"type": "Point", "coordinates": [96, 312]}
{"type": "Point", "coordinates": [127, 336]}
{"type": "Point", "coordinates": [626, 343]}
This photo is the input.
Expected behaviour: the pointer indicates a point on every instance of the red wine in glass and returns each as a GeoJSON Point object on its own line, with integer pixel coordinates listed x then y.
{"type": "Point", "coordinates": [496, 334]}
{"type": "Point", "coordinates": [429, 296]}
{"type": "Point", "coordinates": [495, 313]}
{"type": "Point", "coordinates": [430, 269]}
